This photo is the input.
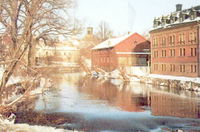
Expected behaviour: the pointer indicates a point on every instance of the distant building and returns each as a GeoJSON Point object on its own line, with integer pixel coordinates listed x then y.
{"type": "Point", "coordinates": [128, 50]}
{"type": "Point", "coordinates": [176, 44]}
{"type": "Point", "coordinates": [87, 42]}
{"type": "Point", "coordinates": [61, 54]}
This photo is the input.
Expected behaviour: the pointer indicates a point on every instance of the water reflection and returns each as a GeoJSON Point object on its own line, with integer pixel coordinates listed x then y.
{"type": "Point", "coordinates": [121, 106]}
{"type": "Point", "coordinates": [120, 96]}
{"type": "Point", "coordinates": [75, 91]}
{"type": "Point", "coordinates": [165, 104]}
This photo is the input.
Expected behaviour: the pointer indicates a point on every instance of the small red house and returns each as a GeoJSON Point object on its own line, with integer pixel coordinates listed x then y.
{"type": "Point", "coordinates": [129, 50]}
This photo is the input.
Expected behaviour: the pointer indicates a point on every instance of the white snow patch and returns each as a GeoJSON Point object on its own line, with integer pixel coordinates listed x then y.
{"type": "Point", "coordinates": [28, 128]}
{"type": "Point", "coordinates": [138, 70]}
{"type": "Point", "coordinates": [117, 82]}
{"type": "Point", "coordinates": [111, 42]}
{"type": "Point", "coordinates": [115, 74]}
{"type": "Point", "coordinates": [196, 80]}
{"type": "Point", "coordinates": [1, 71]}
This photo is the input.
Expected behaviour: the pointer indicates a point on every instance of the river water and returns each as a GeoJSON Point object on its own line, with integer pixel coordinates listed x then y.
{"type": "Point", "coordinates": [110, 105]}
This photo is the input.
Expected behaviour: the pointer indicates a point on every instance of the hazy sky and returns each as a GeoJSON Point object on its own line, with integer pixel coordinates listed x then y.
{"type": "Point", "coordinates": [127, 15]}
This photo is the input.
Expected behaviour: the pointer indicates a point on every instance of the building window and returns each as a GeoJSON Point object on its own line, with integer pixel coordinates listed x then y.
{"type": "Point", "coordinates": [172, 40]}
{"type": "Point", "coordinates": [163, 42]}
{"type": "Point", "coordinates": [172, 67]}
{"type": "Point", "coordinates": [155, 41]}
{"type": "Point", "coordinates": [163, 67]}
{"type": "Point", "coordinates": [182, 52]}
{"type": "Point", "coordinates": [193, 51]}
{"type": "Point", "coordinates": [181, 38]}
{"type": "Point", "coordinates": [193, 38]}
{"type": "Point", "coordinates": [155, 54]}
{"type": "Point", "coordinates": [182, 68]}
{"type": "Point", "coordinates": [172, 52]}
{"type": "Point", "coordinates": [164, 53]}
{"type": "Point", "coordinates": [193, 68]}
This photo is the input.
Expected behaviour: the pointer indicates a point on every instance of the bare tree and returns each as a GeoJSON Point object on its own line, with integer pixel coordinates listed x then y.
{"type": "Point", "coordinates": [28, 21]}
{"type": "Point", "coordinates": [104, 31]}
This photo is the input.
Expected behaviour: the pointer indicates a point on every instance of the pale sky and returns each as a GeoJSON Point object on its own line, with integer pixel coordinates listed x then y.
{"type": "Point", "coordinates": [137, 17]}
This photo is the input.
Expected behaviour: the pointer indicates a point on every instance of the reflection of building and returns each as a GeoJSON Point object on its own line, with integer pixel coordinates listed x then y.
{"type": "Point", "coordinates": [175, 43]}
{"type": "Point", "coordinates": [173, 105]}
{"type": "Point", "coordinates": [60, 54]}
{"type": "Point", "coordinates": [124, 99]}
{"type": "Point", "coordinates": [129, 50]}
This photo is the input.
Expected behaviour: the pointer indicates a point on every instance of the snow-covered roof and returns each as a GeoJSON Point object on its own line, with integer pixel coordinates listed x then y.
{"type": "Point", "coordinates": [175, 23]}
{"type": "Point", "coordinates": [177, 18]}
{"type": "Point", "coordinates": [109, 43]}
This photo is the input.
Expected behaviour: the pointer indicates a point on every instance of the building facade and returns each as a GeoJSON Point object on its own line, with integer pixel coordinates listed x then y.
{"type": "Point", "coordinates": [175, 43]}
{"type": "Point", "coordinates": [61, 54]}
{"type": "Point", "coordinates": [128, 50]}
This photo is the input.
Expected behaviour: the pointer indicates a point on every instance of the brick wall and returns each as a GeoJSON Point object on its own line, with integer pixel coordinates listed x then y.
{"type": "Point", "coordinates": [175, 50]}
{"type": "Point", "coordinates": [108, 58]}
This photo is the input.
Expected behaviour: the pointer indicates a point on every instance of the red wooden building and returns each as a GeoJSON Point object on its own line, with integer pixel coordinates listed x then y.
{"type": "Point", "coordinates": [128, 50]}
{"type": "Point", "coordinates": [175, 43]}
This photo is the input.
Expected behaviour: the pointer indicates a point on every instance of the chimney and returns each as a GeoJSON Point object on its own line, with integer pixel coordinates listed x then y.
{"type": "Point", "coordinates": [178, 7]}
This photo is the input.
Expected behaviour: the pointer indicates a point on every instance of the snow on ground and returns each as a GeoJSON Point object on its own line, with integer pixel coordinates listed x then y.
{"type": "Point", "coordinates": [115, 74]}
{"type": "Point", "coordinates": [12, 79]}
{"type": "Point", "coordinates": [27, 128]}
{"type": "Point", "coordinates": [1, 71]}
{"type": "Point", "coordinates": [196, 80]}
{"type": "Point", "coordinates": [138, 70]}
{"type": "Point", "coordinates": [134, 72]}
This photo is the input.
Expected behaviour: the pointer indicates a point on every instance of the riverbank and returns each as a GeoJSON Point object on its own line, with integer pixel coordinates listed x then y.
{"type": "Point", "coordinates": [177, 82]}
{"type": "Point", "coordinates": [184, 83]}
{"type": "Point", "coordinates": [27, 121]}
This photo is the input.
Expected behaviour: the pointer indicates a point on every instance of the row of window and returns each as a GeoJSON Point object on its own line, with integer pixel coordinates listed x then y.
{"type": "Point", "coordinates": [180, 39]}
{"type": "Point", "coordinates": [102, 59]}
{"type": "Point", "coordinates": [172, 68]}
{"type": "Point", "coordinates": [100, 52]}
{"type": "Point", "coordinates": [172, 52]}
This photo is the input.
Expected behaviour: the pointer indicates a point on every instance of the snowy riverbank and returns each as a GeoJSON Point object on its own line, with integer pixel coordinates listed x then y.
{"type": "Point", "coordinates": [178, 82]}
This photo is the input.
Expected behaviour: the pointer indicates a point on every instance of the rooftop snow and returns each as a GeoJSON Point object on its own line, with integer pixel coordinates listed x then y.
{"type": "Point", "coordinates": [166, 21]}
{"type": "Point", "coordinates": [109, 43]}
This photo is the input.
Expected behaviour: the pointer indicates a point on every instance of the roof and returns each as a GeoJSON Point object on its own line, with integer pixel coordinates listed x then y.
{"type": "Point", "coordinates": [112, 42]}
{"type": "Point", "coordinates": [177, 18]}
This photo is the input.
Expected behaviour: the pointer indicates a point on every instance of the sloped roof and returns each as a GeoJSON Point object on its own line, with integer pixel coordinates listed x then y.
{"type": "Point", "coordinates": [112, 42]}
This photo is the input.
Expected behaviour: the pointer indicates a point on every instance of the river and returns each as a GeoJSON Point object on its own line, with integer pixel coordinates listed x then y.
{"type": "Point", "coordinates": [111, 105]}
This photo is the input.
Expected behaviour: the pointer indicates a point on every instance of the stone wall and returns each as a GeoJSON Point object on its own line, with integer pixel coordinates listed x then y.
{"type": "Point", "coordinates": [177, 84]}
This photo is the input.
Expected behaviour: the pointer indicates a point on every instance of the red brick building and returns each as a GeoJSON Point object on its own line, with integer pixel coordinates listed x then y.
{"type": "Point", "coordinates": [129, 50]}
{"type": "Point", "coordinates": [175, 43]}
